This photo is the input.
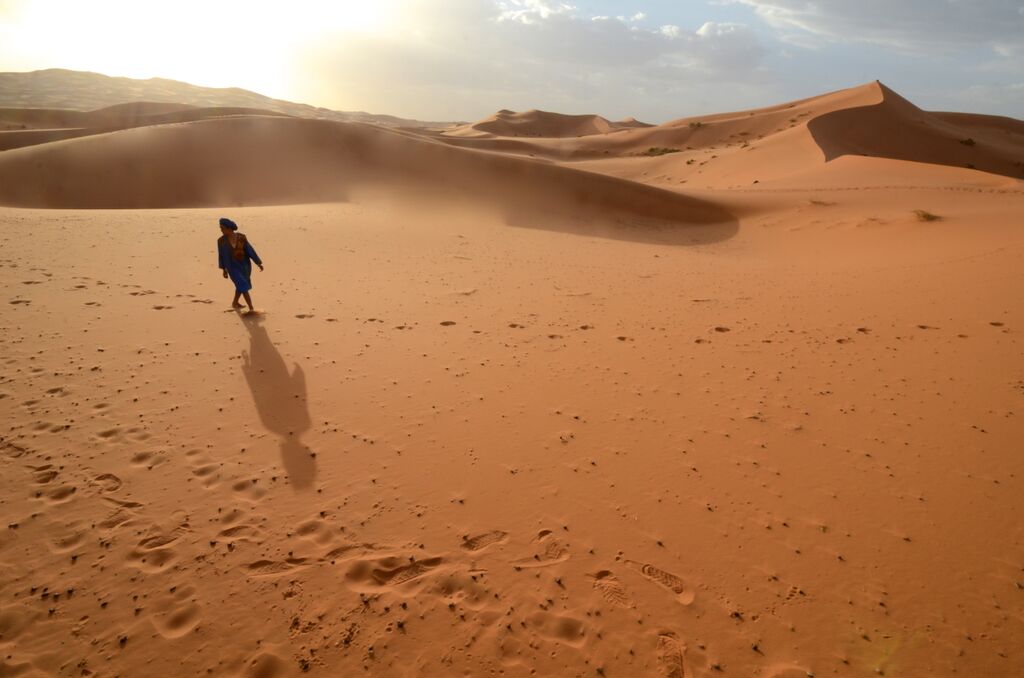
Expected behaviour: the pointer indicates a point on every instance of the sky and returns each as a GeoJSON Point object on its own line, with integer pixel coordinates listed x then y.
{"type": "Point", "coordinates": [464, 59]}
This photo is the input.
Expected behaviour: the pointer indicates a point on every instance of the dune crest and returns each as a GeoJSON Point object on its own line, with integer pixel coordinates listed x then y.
{"type": "Point", "coordinates": [260, 160]}
{"type": "Point", "coordinates": [779, 141]}
{"type": "Point", "coordinates": [544, 124]}
{"type": "Point", "coordinates": [897, 129]}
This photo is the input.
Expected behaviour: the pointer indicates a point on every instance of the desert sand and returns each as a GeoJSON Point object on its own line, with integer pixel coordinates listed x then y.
{"type": "Point", "coordinates": [738, 395]}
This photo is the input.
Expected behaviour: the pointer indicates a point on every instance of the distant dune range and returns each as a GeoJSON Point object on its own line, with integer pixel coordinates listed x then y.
{"type": "Point", "coordinates": [772, 142]}
{"type": "Point", "coordinates": [58, 88]}
{"type": "Point", "coordinates": [168, 155]}
{"type": "Point", "coordinates": [536, 123]}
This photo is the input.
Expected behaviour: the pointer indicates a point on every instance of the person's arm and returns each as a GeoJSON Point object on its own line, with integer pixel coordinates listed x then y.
{"type": "Point", "coordinates": [252, 254]}
{"type": "Point", "coordinates": [220, 260]}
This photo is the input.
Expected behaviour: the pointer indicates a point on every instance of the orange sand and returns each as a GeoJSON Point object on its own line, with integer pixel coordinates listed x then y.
{"type": "Point", "coordinates": [587, 413]}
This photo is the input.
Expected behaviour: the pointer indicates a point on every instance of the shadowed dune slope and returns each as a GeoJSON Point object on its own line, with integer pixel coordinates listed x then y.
{"type": "Point", "coordinates": [277, 160]}
{"type": "Point", "coordinates": [41, 118]}
{"type": "Point", "coordinates": [124, 115]}
{"type": "Point", "coordinates": [895, 128]}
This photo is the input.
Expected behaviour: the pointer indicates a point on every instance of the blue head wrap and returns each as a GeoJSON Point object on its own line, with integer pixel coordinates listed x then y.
{"type": "Point", "coordinates": [227, 223]}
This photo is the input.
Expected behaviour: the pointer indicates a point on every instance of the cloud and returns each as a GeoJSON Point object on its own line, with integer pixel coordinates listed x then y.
{"type": "Point", "coordinates": [913, 25]}
{"type": "Point", "coordinates": [1007, 97]}
{"type": "Point", "coordinates": [459, 58]}
{"type": "Point", "coordinates": [531, 11]}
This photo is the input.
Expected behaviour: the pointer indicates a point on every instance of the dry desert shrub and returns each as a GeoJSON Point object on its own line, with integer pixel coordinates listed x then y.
{"type": "Point", "coordinates": [656, 150]}
{"type": "Point", "coordinates": [922, 215]}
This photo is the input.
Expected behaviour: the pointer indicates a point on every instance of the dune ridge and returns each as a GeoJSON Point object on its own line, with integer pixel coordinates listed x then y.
{"type": "Point", "coordinates": [791, 138]}
{"type": "Point", "coordinates": [58, 88]}
{"type": "Point", "coordinates": [535, 123]}
{"type": "Point", "coordinates": [897, 129]}
{"type": "Point", "coordinates": [29, 127]}
{"type": "Point", "coordinates": [254, 160]}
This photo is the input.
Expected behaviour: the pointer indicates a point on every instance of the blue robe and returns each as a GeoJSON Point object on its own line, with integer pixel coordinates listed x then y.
{"type": "Point", "coordinates": [240, 272]}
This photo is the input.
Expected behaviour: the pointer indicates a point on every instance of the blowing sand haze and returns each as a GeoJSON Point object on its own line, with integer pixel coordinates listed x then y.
{"type": "Point", "coordinates": [539, 395]}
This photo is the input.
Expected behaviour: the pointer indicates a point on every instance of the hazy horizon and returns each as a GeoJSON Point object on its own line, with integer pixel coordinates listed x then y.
{"type": "Point", "coordinates": [465, 59]}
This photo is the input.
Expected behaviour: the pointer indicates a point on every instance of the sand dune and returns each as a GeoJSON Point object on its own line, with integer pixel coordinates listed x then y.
{"type": "Point", "coordinates": [118, 116]}
{"type": "Point", "coordinates": [275, 160]}
{"type": "Point", "coordinates": [776, 142]}
{"type": "Point", "coordinates": [534, 123]}
{"type": "Point", "coordinates": [29, 127]}
{"type": "Point", "coordinates": [57, 88]}
{"type": "Point", "coordinates": [685, 133]}
{"type": "Point", "coordinates": [895, 128]}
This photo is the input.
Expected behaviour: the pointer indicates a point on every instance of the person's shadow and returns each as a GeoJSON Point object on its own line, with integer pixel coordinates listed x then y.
{"type": "Point", "coordinates": [280, 399]}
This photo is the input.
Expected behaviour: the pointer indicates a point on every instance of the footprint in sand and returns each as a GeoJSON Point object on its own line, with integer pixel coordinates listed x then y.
{"type": "Point", "coordinates": [246, 533]}
{"type": "Point", "coordinates": [116, 519]}
{"type": "Point", "coordinates": [390, 570]}
{"type": "Point", "coordinates": [393, 576]}
{"type": "Point", "coordinates": [123, 503]}
{"type": "Point", "coordinates": [148, 459]}
{"type": "Point", "coordinates": [68, 538]}
{"type": "Point", "coordinates": [482, 541]}
{"type": "Point", "coordinates": [267, 665]}
{"type": "Point", "coordinates": [563, 629]}
{"type": "Point", "coordinates": [109, 434]}
{"type": "Point", "coordinates": [177, 613]}
{"type": "Point", "coordinates": [249, 489]}
{"type": "Point", "coordinates": [58, 495]}
{"type": "Point", "coordinates": [203, 468]}
{"type": "Point", "coordinates": [155, 552]}
{"type": "Point", "coordinates": [671, 655]}
{"type": "Point", "coordinates": [303, 316]}
{"type": "Point", "coordinates": [611, 589]}
{"type": "Point", "coordinates": [345, 549]}
{"type": "Point", "coordinates": [666, 579]}
{"type": "Point", "coordinates": [273, 568]}
{"type": "Point", "coordinates": [107, 482]}
{"type": "Point", "coordinates": [160, 307]}
{"type": "Point", "coordinates": [551, 552]}
{"type": "Point", "coordinates": [42, 475]}
{"type": "Point", "coordinates": [316, 531]}
{"type": "Point", "coordinates": [12, 450]}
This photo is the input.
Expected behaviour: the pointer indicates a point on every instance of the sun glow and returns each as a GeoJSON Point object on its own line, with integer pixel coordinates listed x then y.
{"type": "Point", "coordinates": [215, 43]}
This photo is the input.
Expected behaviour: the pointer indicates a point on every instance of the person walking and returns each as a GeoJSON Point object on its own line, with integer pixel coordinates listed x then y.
{"type": "Point", "coordinates": [235, 256]}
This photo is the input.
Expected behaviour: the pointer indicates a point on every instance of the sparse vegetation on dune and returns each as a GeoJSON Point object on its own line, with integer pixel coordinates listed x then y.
{"type": "Point", "coordinates": [657, 150]}
{"type": "Point", "coordinates": [923, 215]}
